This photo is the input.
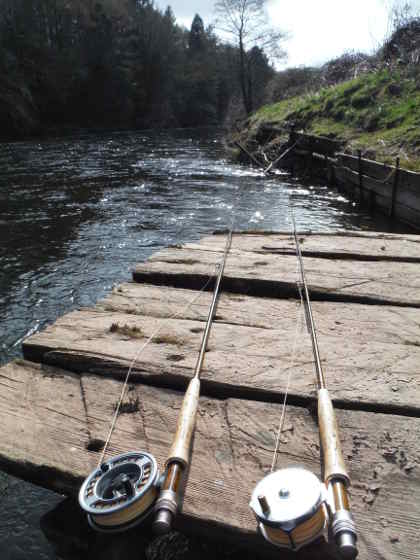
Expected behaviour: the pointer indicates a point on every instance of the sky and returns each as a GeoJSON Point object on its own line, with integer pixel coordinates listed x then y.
{"type": "Point", "coordinates": [319, 29]}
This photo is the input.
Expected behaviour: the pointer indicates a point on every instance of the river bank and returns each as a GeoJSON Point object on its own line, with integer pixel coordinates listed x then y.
{"type": "Point", "coordinates": [377, 113]}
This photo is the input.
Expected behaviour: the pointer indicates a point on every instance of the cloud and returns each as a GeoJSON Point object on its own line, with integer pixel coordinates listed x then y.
{"type": "Point", "coordinates": [325, 29]}
{"type": "Point", "coordinates": [320, 30]}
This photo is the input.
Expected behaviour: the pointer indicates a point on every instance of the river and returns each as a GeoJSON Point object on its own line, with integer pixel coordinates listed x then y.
{"type": "Point", "coordinates": [77, 213]}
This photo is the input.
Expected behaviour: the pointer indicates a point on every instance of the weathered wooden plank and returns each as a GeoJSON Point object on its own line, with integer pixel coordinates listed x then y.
{"type": "Point", "coordinates": [372, 168]}
{"type": "Point", "coordinates": [408, 215]}
{"type": "Point", "coordinates": [382, 190]}
{"type": "Point", "coordinates": [385, 324]}
{"type": "Point", "coordinates": [344, 245]}
{"type": "Point", "coordinates": [338, 233]}
{"type": "Point", "coordinates": [406, 207]}
{"type": "Point", "coordinates": [405, 195]}
{"type": "Point", "coordinates": [409, 180]}
{"type": "Point", "coordinates": [407, 203]}
{"type": "Point", "coordinates": [275, 276]}
{"type": "Point", "coordinates": [319, 144]}
{"type": "Point", "coordinates": [53, 422]}
{"type": "Point", "coordinates": [249, 355]}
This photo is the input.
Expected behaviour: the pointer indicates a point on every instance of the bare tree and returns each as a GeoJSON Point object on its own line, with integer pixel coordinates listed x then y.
{"type": "Point", "coordinates": [246, 24]}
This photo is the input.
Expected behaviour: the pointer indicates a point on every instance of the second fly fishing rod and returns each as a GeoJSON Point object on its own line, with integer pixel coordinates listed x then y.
{"type": "Point", "coordinates": [291, 505]}
{"type": "Point", "coordinates": [126, 489]}
{"type": "Point", "coordinates": [178, 458]}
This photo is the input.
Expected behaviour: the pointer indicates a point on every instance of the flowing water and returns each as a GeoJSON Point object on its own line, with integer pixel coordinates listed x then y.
{"type": "Point", "coordinates": [77, 213]}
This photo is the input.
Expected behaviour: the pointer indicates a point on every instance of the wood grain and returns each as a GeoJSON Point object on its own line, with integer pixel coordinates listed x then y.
{"type": "Point", "coordinates": [250, 351]}
{"type": "Point", "coordinates": [391, 283]}
{"type": "Point", "coordinates": [365, 288]}
{"type": "Point", "coordinates": [51, 419]}
{"type": "Point", "coordinates": [353, 245]}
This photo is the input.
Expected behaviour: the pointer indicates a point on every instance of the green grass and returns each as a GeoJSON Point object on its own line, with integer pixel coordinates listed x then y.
{"type": "Point", "coordinates": [377, 112]}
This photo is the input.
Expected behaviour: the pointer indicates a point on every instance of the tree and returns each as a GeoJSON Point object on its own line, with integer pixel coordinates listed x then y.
{"type": "Point", "coordinates": [196, 39]}
{"type": "Point", "coordinates": [201, 77]}
{"type": "Point", "coordinates": [107, 63]}
{"type": "Point", "coordinates": [245, 22]}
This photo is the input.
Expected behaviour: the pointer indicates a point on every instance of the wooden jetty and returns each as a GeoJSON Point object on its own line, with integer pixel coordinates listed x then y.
{"type": "Point", "coordinates": [57, 403]}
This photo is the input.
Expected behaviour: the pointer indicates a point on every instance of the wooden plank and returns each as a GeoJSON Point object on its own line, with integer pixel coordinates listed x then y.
{"type": "Point", "coordinates": [275, 276]}
{"type": "Point", "coordinates": [410, 180]}
{"type": "Point", "coordinates": [386, 325]}
{"type": "Point", "coordinates": [383, 191]}
{"type": "Point", "coordinates": [407, 198]}
{"type": "Point", "coordinates": [319, 144]}
{"type": "Point", "coordinates": [351, 234]}
{"type": "Point", "coordinates": [344, 245]}
{"type": "Point", "coordinates": [371, 168]}
{"type": "Point", "coordinates": [250, 350]}
{"type": "Point", "coordinates": [410, 216]}
{"type": "Point", "coordinates": [407, 203]}
{"type": "Point", "coordinates": [53, 420]}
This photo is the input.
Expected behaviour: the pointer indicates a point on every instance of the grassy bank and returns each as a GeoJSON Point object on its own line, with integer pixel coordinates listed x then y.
{"type": "Point", "coordinates": [378, 113]}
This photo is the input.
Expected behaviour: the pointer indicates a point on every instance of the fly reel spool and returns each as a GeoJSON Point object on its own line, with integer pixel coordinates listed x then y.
{"type": "Point", "coordinates": [289, 505]}
{"type": "Point", "coordinates": [121, 492]}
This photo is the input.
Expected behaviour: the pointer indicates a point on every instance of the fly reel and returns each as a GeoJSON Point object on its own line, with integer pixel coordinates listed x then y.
{"type": "Point", "coordinates": [121, 492]}
{"type": "Point", "coordinates": [289, 505]}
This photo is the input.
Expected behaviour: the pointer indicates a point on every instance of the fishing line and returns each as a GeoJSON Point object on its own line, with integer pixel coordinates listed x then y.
{"type": "Point", "coordinates": [136, 357]}
{"type": "Point", "coordinates": [176, 315]}
{"type": "Point", "coordinates": [125, 489]}
{"type": "Point", "coordinates": [298, 328]}
{"type": "Point", "coordinates": [289, 376]}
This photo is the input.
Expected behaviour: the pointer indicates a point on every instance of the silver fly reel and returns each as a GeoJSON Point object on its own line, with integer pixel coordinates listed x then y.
{"type": "Point", "coordinates": [289, 505]}
{"type": "Point", "coordinates": [121, 492]}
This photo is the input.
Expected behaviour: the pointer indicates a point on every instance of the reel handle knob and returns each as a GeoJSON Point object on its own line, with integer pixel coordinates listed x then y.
{"type": "Point", "coordinates": [128, 485]}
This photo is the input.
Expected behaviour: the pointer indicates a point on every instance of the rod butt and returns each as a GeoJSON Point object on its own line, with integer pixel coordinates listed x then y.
{"type": "Point", "coordinates": [346, 544]}
{"type": "Point", "coordinates": [344, 533]}
{"type": "Point", "coordinates": [165, 510]}
{"type": "Point", "coordinates": [163, 522]}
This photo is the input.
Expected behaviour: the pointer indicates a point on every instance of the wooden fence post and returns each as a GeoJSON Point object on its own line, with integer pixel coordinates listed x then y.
{"type": "Point", "coordinates": [372, 200]}
{"type": "Point", "coordinates": [326, 168]}
{"type": "Point", "coordinates": [394, 188]}
{"type": "Point", "coordinates": [359, 154]}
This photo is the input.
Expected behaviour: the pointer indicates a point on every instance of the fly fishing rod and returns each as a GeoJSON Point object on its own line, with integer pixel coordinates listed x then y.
{"type": "Point", "coordinates": [124, 490]}
{"type": "Point", "coordinates": [292, 506]}
{"type": "Point", "coordinates": [178, 459]}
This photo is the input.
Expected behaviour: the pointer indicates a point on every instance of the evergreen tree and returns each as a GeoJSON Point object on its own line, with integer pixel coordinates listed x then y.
{"type": "Point", "coordinates": [196, 38]}
{"type": "Point", "coordinates": [107, 63]}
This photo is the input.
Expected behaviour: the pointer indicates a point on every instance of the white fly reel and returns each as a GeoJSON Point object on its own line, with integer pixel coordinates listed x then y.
{"type": "Point", "coordinates": [121, 492]}
{"type": "Point", "coordinates": [290, 507]}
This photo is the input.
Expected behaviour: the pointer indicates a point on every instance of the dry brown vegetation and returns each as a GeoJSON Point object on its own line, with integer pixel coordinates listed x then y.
{"type": "Point", "coordinates": [128, 330]}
